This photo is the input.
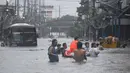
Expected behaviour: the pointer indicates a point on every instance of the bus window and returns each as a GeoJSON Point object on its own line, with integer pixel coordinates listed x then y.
{"type": "Point", "coordinates": [16, 30]}
{"type": "Point", "coordinates": [29, 29]}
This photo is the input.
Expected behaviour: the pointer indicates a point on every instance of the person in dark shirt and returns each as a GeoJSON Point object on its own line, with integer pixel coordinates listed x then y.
{"type": "Point", "coordinates": [59, 48]}
{"type": "Point", "coordinates": [63, 49]}
{"type": "Point", "coordinates": [87, 46]}
{"type": "Point", "coordinates": [52, 54]}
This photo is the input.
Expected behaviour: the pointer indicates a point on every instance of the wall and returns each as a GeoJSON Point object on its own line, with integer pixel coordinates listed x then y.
{"type": "Point", "coordinates": [125, 21]}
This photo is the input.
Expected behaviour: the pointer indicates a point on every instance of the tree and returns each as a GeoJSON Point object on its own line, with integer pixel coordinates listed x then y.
{"type": "Point", "coordinates": [76, 30]}
{"type": "Point", "coordinates": [92, 18]}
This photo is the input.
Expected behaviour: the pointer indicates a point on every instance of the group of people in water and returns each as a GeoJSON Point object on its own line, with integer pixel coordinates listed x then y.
{"type": "Point", "coordinates": [76, 50]}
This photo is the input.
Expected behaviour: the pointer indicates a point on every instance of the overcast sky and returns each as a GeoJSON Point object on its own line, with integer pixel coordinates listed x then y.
{"type": "Point", "coordinates": [2, 2]}
{"type": "Point", "coordinates": [66, 6]}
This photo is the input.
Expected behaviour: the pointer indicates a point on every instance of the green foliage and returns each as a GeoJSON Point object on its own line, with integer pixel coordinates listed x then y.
{"type": "Point", "coordinates": [76, 30]}
{"type": "Point", "coordinates": [68, 18]}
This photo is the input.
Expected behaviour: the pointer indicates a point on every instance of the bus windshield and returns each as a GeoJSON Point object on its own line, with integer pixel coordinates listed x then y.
{"type": "Point", "coordinates": [17, 37]}
{"type": "Point", "coordinates": [23, 29]}
{"type": "Point", "coordinates": [20, 35]}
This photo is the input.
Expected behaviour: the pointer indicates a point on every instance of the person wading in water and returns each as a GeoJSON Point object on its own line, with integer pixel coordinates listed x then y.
{"type": "Point", "coordinates": [80, 53]}
{"type": "Point", "coordinates": [63, 49]}
{"type": "Point", "coordinates": [52, 53]}
{"type": "Point", "coordinates": [73, 47]}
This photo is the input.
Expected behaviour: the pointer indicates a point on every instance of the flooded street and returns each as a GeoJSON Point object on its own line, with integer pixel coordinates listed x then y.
{"type": "Point", "coordinates": [35, 60]}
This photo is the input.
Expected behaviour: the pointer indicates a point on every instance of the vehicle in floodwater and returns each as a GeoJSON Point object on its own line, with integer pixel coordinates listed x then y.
{"type": "Point", "coordinates": [20, 34]}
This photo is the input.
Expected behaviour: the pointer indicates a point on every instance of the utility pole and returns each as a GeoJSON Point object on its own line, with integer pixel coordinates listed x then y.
{"type": "Point", "coordinates": [35, 12]}
{"type": "Point", "coordinates": [90, 25]}
{"type": "Point", "coordinates": [119, 19]}
{"type": "Point", "coordinates": [28, 7]}
{"type": "Point", "coordinates": [31, 3]}
{"type": "Point", "coordinates": [94, 8]}
{"type": "Point", "coordinates": [93, 14]}
{"type": "Point", "coordinates": [59, 11]}
{"type": "Point", "coordinates": [39, 24]}
{"type": "Point", "coordinates": [24, 8]}
{"type": "Point", "coordinates": [86, 19]}
{"type": "Point", "coordinates": [28, 11]}
{"type": "Point", "coordinates": [17, 7]}
{"type": "Point", "coordinates": [40, 12]}
{"type": "Point", "coordinates": [59, 19]}
{"type": "Point", "coordinates": [43, 9]}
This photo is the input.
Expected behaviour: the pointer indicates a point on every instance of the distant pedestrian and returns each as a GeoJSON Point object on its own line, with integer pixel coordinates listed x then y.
{"type": "Point", "coordinates": [100, 46]}
{"type": "Point", "coordinates": [52, 54]}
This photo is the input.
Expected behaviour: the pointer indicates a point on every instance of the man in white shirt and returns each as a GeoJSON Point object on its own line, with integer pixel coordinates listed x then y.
{"type": "Point", "coordinates": [94, 50]}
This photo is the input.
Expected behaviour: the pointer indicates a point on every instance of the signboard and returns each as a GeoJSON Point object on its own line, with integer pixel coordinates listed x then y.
{"type": "Point", "coordinates": [48, 7]}
{"type": "Point", "coordinates": [2, 2]}
{"type": "Point", "coordinates": [47, 11]}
